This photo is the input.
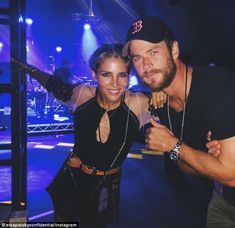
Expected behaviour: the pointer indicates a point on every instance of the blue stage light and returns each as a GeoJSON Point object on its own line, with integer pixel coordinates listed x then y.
{"type": "Point", "coordinates": [21, 19]}
{"type": "Point", "coordinates": [87, 26]}
{"type": "Point", "coordinates": [1, 46]}
{"type": "Point", "coordinates": [89, 43]}
{"type": "Point", "coordinates": [58, 49]}
{"type": "Point", "coordinates": [29, 21]}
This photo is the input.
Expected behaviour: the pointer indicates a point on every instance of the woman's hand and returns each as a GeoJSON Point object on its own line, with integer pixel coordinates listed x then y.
{"type": "Point", "coordinates": [158, 99]}
{"type": "Point", "coordinates": [214, 147]}
{"type": "Point", "coordinates": [27, 68]}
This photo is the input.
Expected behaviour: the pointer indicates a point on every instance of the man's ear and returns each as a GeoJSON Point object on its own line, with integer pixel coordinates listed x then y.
{"type": "Point", "coordinates": [175, 50]}
{"type": "Point", "coordinates": [93, 75]}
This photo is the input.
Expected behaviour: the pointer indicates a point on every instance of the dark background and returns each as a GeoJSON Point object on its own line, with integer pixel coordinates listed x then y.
{"type": "Point", "coordinates": [205, 29]}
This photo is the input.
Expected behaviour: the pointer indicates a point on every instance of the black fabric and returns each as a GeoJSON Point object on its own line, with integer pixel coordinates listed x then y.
{"type": "Point", "coordinates": [71, 202]}
{"type": "Point", "coordinates": [63, 191]}
{"type": "Point", "coordinates": [229, 194]}
{"type": "Point", "coordinates": [89, 193]}
{"type": "Point", "coordinates": [62, 91]}
{"type": "Point", "coordinates": [76, 195]}
{"type": "Point", "coordinates": [64, 74]}
{"type": "Point", "coordinates": [210, 106]}
{"type": "Point", "coordinates": [97, 154]}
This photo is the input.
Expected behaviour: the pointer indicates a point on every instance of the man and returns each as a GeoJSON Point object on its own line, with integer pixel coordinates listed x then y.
{"type": "Point", "coordinates": [199, 99]}
{"type": "Point", "coordinates": [64, 71]}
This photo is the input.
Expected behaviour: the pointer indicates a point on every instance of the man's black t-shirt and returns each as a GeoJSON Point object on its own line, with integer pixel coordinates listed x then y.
{"type": "Point", "coordinates": [210, 106]}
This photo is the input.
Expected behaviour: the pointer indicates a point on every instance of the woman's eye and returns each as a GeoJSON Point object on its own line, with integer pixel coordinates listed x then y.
{"type": "Point", "coordinates": [105, 74]}
{"type": "Point", "coordinates": [124, 75]}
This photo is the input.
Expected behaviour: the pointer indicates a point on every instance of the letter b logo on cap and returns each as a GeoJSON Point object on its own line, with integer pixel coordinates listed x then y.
{"type": "Point", "coordinates": [137, 26]}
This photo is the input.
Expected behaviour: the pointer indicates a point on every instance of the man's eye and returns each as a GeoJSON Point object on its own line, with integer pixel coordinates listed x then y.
{"type": "Point", "coordinates": [153, 52]}
{"type": "Point", "coordinates": [136, 59]}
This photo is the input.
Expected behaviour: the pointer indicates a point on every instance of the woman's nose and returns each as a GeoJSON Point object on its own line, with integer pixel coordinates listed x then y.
{"type": "Point", "coordinates": [114, 81]}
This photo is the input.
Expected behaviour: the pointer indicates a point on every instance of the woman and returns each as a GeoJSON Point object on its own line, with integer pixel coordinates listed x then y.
{"type": "Point", "coordinates": [106, 121]}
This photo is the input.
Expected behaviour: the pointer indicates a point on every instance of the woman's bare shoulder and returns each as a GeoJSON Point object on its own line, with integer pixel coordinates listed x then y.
{"type": "Point", "coordinates": [136, 97]}
{"type": "Point", "coordinates": [82, 94]}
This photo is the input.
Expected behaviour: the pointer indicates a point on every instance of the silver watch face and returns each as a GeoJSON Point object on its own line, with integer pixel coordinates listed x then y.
{"type": "Point", "coordinates": [175, 152]}
{"type": "Point", "coordinates": [174, 155]}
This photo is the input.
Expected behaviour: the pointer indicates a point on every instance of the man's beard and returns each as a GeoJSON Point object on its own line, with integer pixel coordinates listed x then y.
{"type": "Point", "coordinates": [168, 75]}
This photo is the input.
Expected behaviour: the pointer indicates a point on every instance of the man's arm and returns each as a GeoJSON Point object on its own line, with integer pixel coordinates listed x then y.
{"type": "Point", "coordinates": [187, 169]}
{"type": "Point", "coordinates": [221, 168]}
{"type": "Point", "coordinates": [214, 149]}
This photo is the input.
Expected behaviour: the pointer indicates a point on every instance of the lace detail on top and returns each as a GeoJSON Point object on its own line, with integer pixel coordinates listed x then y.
{"type": "Point", "coordinates": [60, 90]}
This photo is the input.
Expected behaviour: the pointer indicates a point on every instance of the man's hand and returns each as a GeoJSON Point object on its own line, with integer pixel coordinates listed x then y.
{"type": "Point", "coordinates": [159, 138]}
{"type": "Point", "coordinates": [214, 148]}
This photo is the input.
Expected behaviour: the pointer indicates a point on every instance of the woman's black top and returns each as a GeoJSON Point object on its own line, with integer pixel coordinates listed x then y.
{"type": "Point", "coordinates": [86, 121]}
{"type": "Point", "coordinates": [97, 154]}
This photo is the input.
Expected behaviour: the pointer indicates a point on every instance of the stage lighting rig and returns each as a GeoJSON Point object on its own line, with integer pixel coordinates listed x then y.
{"type": "Point", "coordinates": [90, 18]}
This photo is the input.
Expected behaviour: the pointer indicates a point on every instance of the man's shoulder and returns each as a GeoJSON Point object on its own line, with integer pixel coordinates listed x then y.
{"type": "Point", "coordinates": [214, 72]}
{"type": "Point", "coordinates": [212, 78]}
{"type": "Point", "coordinates": [210, 85]}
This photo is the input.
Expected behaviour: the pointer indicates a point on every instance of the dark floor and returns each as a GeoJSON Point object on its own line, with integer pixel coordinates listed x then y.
{"type": "Point", "coordinates": [147, 198]}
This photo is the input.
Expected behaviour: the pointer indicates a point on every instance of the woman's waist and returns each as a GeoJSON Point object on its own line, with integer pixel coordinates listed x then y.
{"type": "Point", "coordinates": [93, 167]}
{"type": "Point", "coordinates": [100, 159]}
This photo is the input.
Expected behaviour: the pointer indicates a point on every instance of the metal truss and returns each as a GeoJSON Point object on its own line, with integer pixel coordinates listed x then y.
{"type": "Point", "coordinates": [16, 90]}
{"type": "Point", "coordinates": [49, 128]}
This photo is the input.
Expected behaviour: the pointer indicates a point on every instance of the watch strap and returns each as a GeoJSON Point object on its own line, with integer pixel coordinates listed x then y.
{"type": "Point", "coordinates": [175, 152]}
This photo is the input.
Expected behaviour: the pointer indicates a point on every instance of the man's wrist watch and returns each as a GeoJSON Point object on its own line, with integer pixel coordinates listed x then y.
{"type": "Point", "coordinates": [175, 152]}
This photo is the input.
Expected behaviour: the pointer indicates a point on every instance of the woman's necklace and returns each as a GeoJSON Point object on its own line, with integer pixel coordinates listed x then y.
{"type": "Point", "coordinates": [184, 108]}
